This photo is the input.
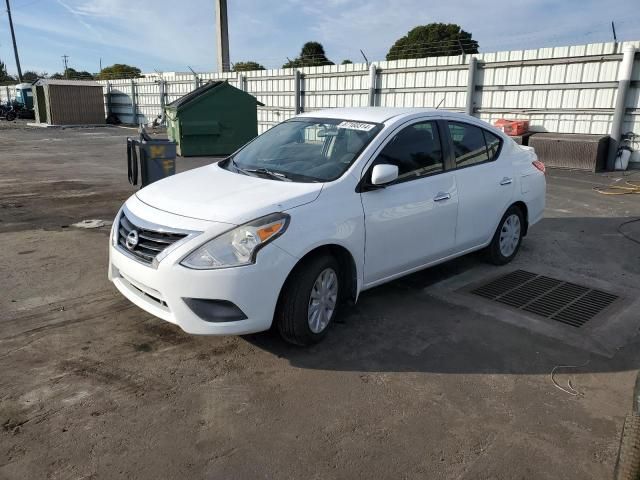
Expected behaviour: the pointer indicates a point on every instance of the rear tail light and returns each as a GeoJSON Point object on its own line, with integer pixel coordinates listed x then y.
{"type": "Point", "coordinates": [539, 165]}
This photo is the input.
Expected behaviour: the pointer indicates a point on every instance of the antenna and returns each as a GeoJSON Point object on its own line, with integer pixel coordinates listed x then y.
{"type": "Point", "coordinates": [365, 58]}
{"type": "Point", "coordinates": [65, 62]}
{"type": "Point", "coordinates": [195, 77]}
{"type": "Point", "coordinates": [441, 102]}
{"type": "Point", "coordinates": [192, 71]}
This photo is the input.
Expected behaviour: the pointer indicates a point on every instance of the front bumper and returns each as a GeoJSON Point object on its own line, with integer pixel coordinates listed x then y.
{"type": "Point", "coordinates": [161, 291]}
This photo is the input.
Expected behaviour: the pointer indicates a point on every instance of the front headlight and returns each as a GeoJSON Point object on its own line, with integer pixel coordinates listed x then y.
{"type": "Point", "coordinates": [238, 246]}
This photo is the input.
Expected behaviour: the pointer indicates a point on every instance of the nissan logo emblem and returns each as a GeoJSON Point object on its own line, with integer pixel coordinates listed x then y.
{"type": "Point", "coordinates": [132, 240]}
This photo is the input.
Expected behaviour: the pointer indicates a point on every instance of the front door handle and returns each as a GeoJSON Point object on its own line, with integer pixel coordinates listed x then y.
{"type": "Point", "coordinates": [441, 196]}
{"type": "Point", "coordinates": [506, 181]}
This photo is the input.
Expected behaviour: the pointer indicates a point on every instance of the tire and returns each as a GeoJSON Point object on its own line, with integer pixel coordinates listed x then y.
{"type": "Point", "coordinates": [628, 463]}
{"type": "Point", "coordinates": [498, 253]}
{"type": "Point", "coordinates": [293, 316]}
{"type": "Point", "coordinates": [11, 116]}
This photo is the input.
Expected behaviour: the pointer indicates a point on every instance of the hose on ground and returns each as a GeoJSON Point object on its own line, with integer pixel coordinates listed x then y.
{"type": "Point", "coordinates": [632, 188]}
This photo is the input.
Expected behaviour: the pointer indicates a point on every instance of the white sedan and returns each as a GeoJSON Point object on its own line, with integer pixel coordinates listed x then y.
{"type": "Point", "coordinates": [318, 209]}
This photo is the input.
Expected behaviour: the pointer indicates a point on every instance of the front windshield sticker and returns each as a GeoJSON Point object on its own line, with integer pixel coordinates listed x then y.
{"type": "Point", "coordinates": [365, 127]}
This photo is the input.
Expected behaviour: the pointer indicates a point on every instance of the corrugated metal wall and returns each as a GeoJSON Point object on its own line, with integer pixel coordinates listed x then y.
{"type": "Point", "coordinates": [74, 105]}
{"type": "Point", "coordinates": [560, 89]}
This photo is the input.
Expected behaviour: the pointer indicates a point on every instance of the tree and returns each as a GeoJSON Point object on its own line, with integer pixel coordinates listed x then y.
{"type": "Point", "coordinates": [346, 62]}
{"type": "Point", "coordinates": [73, 74]}
{"type": "Point", "coordinates": [119, 70]}
{"type": "Point", "coordinates": [5, 78]}
{"type": "Point", "coordinates": [31, 76]}
{"type": "Point", "coordinates": [433, 40]}
{"type": "Point", "coordinates": [246, 66]}
{"type": "Point", "coordinates": [311, 55]}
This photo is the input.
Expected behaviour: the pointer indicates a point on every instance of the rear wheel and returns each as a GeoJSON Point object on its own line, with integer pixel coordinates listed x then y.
{"type": "Point", "coordinates": [309, 301]}
{"type": "Point", "coordinates": [507, 239]}
{"type": "Point", "coordinates": [11, 116]}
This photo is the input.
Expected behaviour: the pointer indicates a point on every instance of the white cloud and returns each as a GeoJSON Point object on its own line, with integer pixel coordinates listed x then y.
{"type": "Point", "coordinates": [162, 31]}
{"type": "Point", "coordinates": [78, 16]}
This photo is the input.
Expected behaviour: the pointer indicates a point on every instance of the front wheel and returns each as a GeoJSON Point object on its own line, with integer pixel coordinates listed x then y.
{"type": "Point", "coordinates": [506, 241]}
{"type": "Point", "coordinates": [309, 301]}
{"type": "Point", "coordinates": [11, 116]}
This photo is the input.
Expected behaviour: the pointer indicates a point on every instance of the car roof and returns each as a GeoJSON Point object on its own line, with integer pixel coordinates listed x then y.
{"type": "Point", "coordinates": [376, 114]}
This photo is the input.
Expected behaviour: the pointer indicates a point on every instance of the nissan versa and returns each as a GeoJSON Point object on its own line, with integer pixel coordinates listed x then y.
{"type": "Point", "coordinates": [318, 209]}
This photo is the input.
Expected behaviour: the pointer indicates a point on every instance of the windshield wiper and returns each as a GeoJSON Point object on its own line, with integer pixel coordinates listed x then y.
{"type": "Point", "coordinates": [238, 167]}
{"type": "Point", "coordinates": [269, 173]}
{"type": "Point", "coordinates": [261, 171]}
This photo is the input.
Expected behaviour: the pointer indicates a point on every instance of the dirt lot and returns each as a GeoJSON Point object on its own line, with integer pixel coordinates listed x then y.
{"type": "Point", "coordinates": [419, 380]}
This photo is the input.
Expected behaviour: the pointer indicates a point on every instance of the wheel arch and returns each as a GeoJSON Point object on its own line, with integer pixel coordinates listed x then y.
{"type": "Point", "coordinates": [346, 260]}
{"type": "Point", "coordinates": [525, 211]}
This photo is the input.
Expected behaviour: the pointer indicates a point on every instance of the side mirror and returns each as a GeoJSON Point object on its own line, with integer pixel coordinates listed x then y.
{"type": "Point", "coordinates": [383, 173]}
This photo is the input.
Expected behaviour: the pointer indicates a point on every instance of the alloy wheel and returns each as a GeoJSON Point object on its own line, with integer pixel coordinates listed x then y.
{"type": "Point", "coordinates": [323, 300]}
{"type": "Point", "coordinates": [510, 235]}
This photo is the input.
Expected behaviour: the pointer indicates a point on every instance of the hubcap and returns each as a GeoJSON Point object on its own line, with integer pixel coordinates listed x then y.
{"type": "Point", "coordinates": [510, 235]}
{"type": "Point", "coordinates": [323, 299]}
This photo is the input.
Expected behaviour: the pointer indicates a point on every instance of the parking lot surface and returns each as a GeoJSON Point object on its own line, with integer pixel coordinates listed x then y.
{"type": "Point", "coordinates": [418, 380]}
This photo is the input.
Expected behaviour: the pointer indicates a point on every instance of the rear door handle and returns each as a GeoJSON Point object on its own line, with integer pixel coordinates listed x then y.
{"type": "Point", "coordinates": [506, 181]}
{"type": "Point", "coordinates": [441, 196]}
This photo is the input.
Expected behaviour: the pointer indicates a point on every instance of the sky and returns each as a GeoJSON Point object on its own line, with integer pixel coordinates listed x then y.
{"type": "Point", "coordinates": [168, 35]}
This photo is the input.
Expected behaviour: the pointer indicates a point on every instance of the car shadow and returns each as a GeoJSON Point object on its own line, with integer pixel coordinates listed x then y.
{"type": "Point", "coordinates": [400, 327]}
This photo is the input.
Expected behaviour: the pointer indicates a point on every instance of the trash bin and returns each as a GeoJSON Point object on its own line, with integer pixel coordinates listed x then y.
{"type": "Point", "coordinates": [215, 119]}
{"type": "Point", "coordinates": [156, 159]}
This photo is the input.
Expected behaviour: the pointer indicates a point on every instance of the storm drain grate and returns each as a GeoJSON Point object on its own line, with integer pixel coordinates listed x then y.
{"type": "Point", "coordinates": [548, 297]}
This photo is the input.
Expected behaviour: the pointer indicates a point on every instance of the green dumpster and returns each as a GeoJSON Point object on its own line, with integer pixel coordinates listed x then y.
{"type": "Point", "coordinates": [215, 119]}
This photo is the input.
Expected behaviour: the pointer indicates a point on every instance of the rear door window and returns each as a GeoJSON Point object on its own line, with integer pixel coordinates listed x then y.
{"type": "Point", "coordinates": [473, 145]}
{"type": "Point", "coordinates": [493, 144]}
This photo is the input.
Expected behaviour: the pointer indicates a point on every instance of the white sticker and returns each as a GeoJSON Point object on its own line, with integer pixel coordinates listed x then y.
{"type": "Point", "coordinates": [365, 127]}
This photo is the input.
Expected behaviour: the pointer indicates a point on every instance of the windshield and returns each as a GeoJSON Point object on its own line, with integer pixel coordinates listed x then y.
{"type": "Point", "coordinates": [304, 150]}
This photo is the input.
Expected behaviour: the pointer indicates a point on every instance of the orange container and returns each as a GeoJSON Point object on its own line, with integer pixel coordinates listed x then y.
{"type": "Point", "coordinates": [512, 127]}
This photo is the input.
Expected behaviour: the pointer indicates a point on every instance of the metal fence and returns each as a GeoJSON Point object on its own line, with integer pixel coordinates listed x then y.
{"type": "Point", "coordinates": [6, 93]}
{"type": "Point", "coordinates": [562, 89]}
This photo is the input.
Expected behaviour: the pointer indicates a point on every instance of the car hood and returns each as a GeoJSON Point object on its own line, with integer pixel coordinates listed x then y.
{"type": "Point", "coordinates": [215, 194]}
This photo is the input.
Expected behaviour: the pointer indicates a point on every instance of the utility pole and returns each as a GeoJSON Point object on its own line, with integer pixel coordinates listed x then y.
{"type": "Point", "coordinates": [15, 46]}
{"type": "Point", "coordinates": [222, 36]}
{"type": "Point", "coordinates": [65, 62]}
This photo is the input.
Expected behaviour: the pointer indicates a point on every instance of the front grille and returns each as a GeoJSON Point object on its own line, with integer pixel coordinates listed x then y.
{"type": "Point", "coordinates": [150, 242]}
{"type": "Point", "coordinates": [146, 292]}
